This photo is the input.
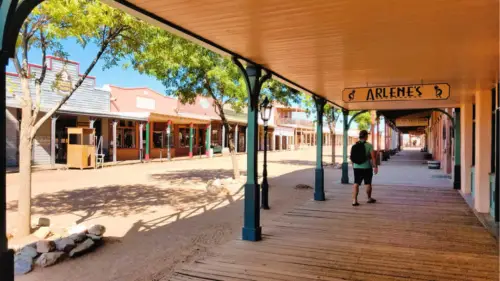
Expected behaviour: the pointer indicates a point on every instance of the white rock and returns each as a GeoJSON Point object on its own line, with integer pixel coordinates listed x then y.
{"type": "Point", "coordinates": [48, 259]}
{"type": "Point", "coordinates": [97, 229]}
{"type": "Point", "coordinates": [45, 246]}
{"type": "Point", "coordinates": [217, 183]}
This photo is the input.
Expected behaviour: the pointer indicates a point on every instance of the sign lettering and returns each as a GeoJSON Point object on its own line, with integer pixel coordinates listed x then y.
{"type": "Point", "coordinates": [397, 93]}
{"type": "Point", "coordinates": [411, 122]}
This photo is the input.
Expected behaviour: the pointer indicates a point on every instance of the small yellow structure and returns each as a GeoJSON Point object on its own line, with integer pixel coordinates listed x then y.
{"type": "Point", "coordinates": [81, 148]}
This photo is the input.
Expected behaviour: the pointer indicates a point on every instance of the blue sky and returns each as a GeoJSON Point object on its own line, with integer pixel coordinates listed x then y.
{"type": "Point", "coordinates": [115, 76]}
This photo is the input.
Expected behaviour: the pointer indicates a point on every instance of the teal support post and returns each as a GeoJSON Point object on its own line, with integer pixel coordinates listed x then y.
{"type": "Point", "coordinates": [457, 175]}
{"type": "Point", "coordinates": [319, 181]}
{"type": "Point", "coordinates": [191, 137]}
{"type": "Point", "coordinates": [147, 141]}
{"type": "Point", "coordinates": [253, 78]}
{"type": "Point", "coordinates": [6, 255]}
{"type": "Point", "coordinates": [207, 140]}
{"type": "Point", "coordinates": [345, 164]}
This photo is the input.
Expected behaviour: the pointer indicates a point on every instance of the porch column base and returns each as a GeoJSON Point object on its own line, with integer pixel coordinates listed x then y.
{"type": "Point", "coordinates": [319, 185]}
{"type": "Point", "coordinates": [456, 181]}
{"type": "Point", "coordinates": [252, 231]}
{"type": "Point", "coordinates": [252, 234]}
{"type": "Point", "coordinates": [345, 173]}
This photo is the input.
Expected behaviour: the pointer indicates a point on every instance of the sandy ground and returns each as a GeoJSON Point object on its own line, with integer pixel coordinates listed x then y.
{"type": "Point", "coordinates": [158, 215]}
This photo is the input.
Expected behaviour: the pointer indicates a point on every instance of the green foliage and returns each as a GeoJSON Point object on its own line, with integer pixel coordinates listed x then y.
{"type": "Point", "coordinates": [88, 21]}
{"type": "Point", "coordinates": [363, 120]}
{"type": "Point", "coordinates": [188, 70]}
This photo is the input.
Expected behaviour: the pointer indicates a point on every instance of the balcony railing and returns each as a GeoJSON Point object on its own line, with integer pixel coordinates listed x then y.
{"type": "Point", "coordinates": [291, 121]}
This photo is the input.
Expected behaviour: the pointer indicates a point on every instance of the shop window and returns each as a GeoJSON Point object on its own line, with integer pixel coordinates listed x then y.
{"type": "Point", "coordinates": [160, 139]}
{"type": "Point", "coordinates": [157, 139]}
{"type": "Point", "coordinates": [129, 138]}
{"type": "Point", "coordinates": [184, 137]}
{"type": "Point", "coordinates": [215, 137]}
{"type": "Point", "coordinates": [125, 134]}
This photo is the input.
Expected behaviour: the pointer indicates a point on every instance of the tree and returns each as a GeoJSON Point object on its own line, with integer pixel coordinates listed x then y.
{"type": "Point", "coordinates": [364, 121]}
{"type": "Point", "coordinates": [188, 70]}
{"type": "Point", "coordinates": [116, 35]}
{"type": "Point", "coordinates": [331, 115]}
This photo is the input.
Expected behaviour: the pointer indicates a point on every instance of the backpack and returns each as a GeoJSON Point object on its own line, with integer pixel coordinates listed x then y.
{"type": "Point", "coordinates": [358, 153]}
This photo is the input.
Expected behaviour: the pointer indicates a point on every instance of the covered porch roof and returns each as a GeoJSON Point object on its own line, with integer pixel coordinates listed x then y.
{"type": "Point", "coordinates": [179, 118]}
{"type": "Point", "coordinates": [324, 47]}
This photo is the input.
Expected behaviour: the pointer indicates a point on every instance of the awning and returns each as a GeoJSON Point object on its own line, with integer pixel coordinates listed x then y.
{"type": "Point", "coordinates": [180, 118]}
{"type": "Point", "coordinates": [324, 47]}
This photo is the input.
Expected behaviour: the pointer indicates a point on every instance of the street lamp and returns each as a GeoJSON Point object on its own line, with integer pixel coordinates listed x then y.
{"type": "Point", "coordinates": [265, 114]}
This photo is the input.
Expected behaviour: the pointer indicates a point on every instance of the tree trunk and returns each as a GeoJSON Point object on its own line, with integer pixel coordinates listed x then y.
{"type": "Point", "coordinates": [232, 150]}
{"type": "Point", "coordinates": [25, 155]}
{"type": "Point", "coordinates": [334, 138]}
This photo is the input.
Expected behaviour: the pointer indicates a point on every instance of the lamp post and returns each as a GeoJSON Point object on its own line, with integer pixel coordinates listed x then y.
{"type": "Point", "coordinates": [265, 114]}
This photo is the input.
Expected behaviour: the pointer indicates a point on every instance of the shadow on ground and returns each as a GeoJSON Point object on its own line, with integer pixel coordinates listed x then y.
{"type": "Point", "coordinates": [114, 200]}
{"type": "Point", "coordinates": [153, 247]}
{"type": "Point", "coordinates": [194, 176]}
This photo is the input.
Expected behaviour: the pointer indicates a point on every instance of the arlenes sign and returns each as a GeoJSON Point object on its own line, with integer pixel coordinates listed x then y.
{"type": "Point", "coordinates": [397, 93]}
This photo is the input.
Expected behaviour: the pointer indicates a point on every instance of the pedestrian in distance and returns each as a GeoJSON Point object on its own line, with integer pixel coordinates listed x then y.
{"type": "Point", "coordinates": [365, 165]}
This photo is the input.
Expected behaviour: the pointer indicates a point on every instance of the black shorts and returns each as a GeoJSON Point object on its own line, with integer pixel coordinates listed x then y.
{"type": "Point", "coordinates": [361, 175]}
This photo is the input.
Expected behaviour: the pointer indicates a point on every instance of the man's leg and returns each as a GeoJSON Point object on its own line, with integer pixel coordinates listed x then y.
{"type": "Point", "coordinates": [368, 184]}
{"type": "Point", "coordinates": [369, 190]}
{"type": "Point", "coordinates": [355, 191]}
{"type": "Point", "coordinates": [358, 177]}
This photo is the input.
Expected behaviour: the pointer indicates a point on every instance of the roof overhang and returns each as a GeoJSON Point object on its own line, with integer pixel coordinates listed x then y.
{"type": "Point", "coordinates": [181, 118]}
{"type": "Point", "coordinates": [323, 47]}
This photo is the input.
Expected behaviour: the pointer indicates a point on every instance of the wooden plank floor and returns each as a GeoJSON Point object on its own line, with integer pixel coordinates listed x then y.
{"type": "Point", "coordinates": [412, 233]}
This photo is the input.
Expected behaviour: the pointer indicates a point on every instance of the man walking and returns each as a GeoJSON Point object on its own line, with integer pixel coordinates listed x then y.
{"type": "Point", "coordinates": [365, 164]}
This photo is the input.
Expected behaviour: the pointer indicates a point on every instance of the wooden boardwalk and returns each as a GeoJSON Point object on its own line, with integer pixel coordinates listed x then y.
{"type": "Point", "coordinates": [412, 233]}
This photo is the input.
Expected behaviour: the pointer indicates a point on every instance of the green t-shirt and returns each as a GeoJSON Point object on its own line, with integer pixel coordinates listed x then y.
{"type": "Point", "coordinates": [367, 164]}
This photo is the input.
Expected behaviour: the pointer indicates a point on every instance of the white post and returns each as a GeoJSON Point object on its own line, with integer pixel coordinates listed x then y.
{"type": "Point", "coordinates": [246, 139]}
{"type": "Point", "coordinates": [483, 152]}
{"type": "Point", "coordinates": [141, 127]}
{"type": "Point", "coordinates": [115, 124]}
{"type": "Point", "coordinates": [465, 147]}
{"type": "Point", "coordinates": [236, 138]}
{"type": "Point", "coordinates": [223, 136]}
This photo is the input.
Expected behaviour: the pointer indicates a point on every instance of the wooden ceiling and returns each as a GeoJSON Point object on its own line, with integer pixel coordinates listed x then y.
{"type": "Point", "coordinates": [326, 46]}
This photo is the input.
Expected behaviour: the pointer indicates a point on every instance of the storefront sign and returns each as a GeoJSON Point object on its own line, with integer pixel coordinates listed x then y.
{"type": "Point", "coordinates": [397, 93]}
{"type": "Point", "coordinates": [411, 122]}
{"type": "Point", "coordinates": [63, 83]}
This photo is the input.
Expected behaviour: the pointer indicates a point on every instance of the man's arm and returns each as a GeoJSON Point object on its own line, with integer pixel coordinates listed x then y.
{"type": "Point", "coordinates": [374, 161]}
